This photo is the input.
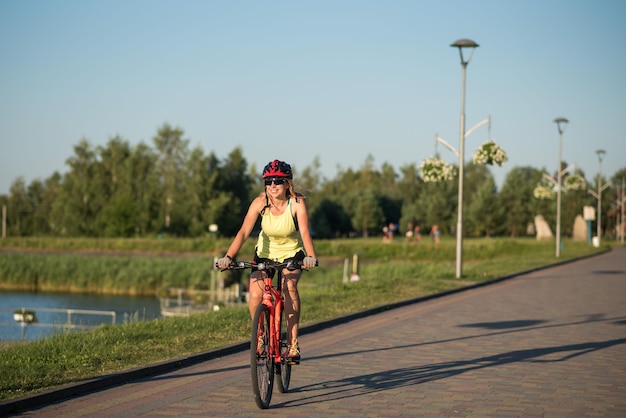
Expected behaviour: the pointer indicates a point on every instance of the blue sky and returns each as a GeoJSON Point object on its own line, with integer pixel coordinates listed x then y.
{"type": "Point", "coordinates": [294, 80]}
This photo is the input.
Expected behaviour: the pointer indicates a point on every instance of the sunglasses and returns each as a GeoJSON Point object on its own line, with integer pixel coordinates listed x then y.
{"type": "Point", "coordinates": [276, 180]}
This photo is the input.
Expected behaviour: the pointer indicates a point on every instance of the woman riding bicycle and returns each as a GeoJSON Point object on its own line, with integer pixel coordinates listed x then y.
{"type": "Point", "coordinates": [284, 236]}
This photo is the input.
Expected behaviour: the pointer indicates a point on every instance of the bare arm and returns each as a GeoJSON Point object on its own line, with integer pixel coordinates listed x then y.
{"type": "Point", "coordinates": [246, 228]}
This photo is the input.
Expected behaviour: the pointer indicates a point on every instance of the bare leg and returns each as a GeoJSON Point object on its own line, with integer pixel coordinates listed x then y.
{"type": "Point", "coordinates": [255, 288]}
{"type": "Point", "coordinates": [292, 302]}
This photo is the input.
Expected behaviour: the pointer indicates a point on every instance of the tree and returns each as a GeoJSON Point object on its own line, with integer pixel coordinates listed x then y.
{"type": "Point", "coordinates": [474, 177]}
{"type": "Point", "coordinates": [310, 179]}
{"type": "Point", "coordinates": [117, 190]}
{"type": "Point", "coordinates": [572, 203]}
{"type": "Point", "coordinates": [390, 200]}
{"type": "Point", "coordinates": [618, 194]}
{"type": "Point", "coordinates": [608, 197]}
{"type": "Point", "coordinates": [117, 218]}
{"type": "Point", "coordinates": [79, 197]}
{"type": "Point", "coordinates": [18, 215]}
{"type": "Point", "coordinates": [351, 189]}
{"type": "Point", "coordinates": [367, 215]}
{"type": "Point", "coordinates": [484, 214]}
{"type": "Point", "coordinates": [517, 201]}
{"type": "Point", "coordinates": [172, 154]}
{"type": "Point", "coordinates": [145, 192]}
{"type": "Point", "coordinates": [234, 187]}
{"type": "Point", "coordinates": [197, 191]}
{"type": "Point", "coordinates": [409, 188]}
{"type": "Point", "coordinates": [436, 205]}
{"type": "Point", "coordinates": [329, 220]}
{"type": "Point", "coordinates": [39, 202]}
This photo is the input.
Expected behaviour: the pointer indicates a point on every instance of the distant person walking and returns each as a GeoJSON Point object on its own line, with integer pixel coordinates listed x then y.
{"type": "Point", "coordinates": [417, 234]}
{"type": "Point", "coordinates": [408, 235]}
{"type": "Point", "coordinates": [434, 232]}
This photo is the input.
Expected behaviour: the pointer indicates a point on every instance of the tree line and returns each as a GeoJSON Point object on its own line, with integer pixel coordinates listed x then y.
{"type": "Point", "coordinates": [119, 190]}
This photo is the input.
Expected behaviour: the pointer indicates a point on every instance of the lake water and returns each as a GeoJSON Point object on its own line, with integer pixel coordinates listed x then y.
{"type": "Point", "coordinates": [126, 308]}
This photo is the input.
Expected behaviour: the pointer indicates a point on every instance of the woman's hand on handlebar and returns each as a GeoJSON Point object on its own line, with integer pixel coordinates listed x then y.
{"type": "Point", "coordinates": [309, 262]}
{"type": "Point", "coordinates": [224, 262]}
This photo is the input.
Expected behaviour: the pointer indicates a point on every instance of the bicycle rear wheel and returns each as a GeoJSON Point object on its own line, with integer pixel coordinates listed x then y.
{"type": "Point", "coordinates": [261, 361]}
{"type": "Point", "coordinates": [283, 369]}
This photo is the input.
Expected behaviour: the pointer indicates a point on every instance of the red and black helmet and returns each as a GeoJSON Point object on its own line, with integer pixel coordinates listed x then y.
{"type": "Point", "coordinates": [277, 168]}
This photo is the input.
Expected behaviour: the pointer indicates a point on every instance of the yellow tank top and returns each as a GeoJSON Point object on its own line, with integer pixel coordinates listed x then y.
{"type": "Point", "coordinates": [279, 238]}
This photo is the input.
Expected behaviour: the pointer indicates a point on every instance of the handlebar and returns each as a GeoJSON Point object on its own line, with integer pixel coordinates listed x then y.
{"type": "Point", "coordinates": [289, 265]}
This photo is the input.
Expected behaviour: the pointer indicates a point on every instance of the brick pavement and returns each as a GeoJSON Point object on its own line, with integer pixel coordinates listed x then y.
{"type": "Point", "coordinates": [551, 343]}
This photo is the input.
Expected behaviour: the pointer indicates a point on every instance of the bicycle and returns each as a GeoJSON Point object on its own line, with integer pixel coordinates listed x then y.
{"type": "Point", "coordinates": [269, 342]}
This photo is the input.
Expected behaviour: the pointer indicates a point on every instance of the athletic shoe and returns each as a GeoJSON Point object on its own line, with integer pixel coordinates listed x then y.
{"type": "Point", "coordinates": [294, 352]}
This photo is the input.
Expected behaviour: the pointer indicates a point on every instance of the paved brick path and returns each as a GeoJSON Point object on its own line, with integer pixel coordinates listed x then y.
{"type": "Point", "coordinates": [547, 344]}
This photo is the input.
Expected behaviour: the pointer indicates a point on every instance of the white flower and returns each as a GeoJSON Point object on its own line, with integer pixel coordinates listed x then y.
{"type": "Point", "coordinates": [489, 153]}
{"type": "Point", "coordinates": [543, 192]}
{"type": "Point", "coordinates": [434, 169]}
{"type": "Point", "coordinates": [575, 182]}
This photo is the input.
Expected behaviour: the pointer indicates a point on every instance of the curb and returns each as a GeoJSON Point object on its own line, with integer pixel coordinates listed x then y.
{"type": "Point", "coordinates": [29, 402]}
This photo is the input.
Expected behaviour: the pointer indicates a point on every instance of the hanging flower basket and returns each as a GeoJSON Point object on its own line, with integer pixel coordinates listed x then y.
{"type": "Point", "coordinates": [489, 153]}
{"type": "Point", "coordinates": [575, 182]}
{"type": "Point", "coordinates": [434, 169]}
{"type": "Point", "coordinates": [543, 192]}
{"type": "Point", "coordinates": [24, 316]}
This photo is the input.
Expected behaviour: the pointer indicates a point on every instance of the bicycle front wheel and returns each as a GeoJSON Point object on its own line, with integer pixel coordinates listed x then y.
{"type": "Point", "coordinates": [261, 361]}
{"type": "Point", "coordinates": [283, 369]}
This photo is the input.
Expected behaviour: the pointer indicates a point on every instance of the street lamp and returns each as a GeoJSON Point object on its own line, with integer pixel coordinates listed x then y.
{"type": "Point", "coordinates": [462, 44]}
{"type": "Point", "coordinates": [598, 195]}
{"type": "Point", "coordinates": [621, 201]}
{"type": "Point", "coordinates": [560, 123]}
{"type": "Point", "coordinates": [601, 154]}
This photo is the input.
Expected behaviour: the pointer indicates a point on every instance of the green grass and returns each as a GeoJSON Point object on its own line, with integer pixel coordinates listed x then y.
{"type": "Point", "coordinates": [134, 275]}
{"type": "Point", "coordinates": [388, 273]}
{"type": "Point", "coordinates": [144, 266]}
{"type": "Point", "coordinates": [156, 245]}
{"type": "Point", "coordinates": [70, 357]}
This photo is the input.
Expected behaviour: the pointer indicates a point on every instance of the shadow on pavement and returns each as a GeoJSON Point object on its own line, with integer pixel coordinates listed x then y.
{"type": "Point", "coordinates": [366, 384]}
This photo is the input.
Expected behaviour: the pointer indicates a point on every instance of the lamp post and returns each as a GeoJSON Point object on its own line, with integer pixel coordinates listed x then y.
{"type": "Point", "coordinates": [601, 154]}
{"type": "Point", "coordinates": [601, 187]}
{"type": "Point", "coordinates": [622, 200]}
{"type": "Point", "coordinates": [598, 194]}
{"type": "Point", "coordinates": [462, 44]}
{"type": "Point", "coordinates": [560, 123]}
